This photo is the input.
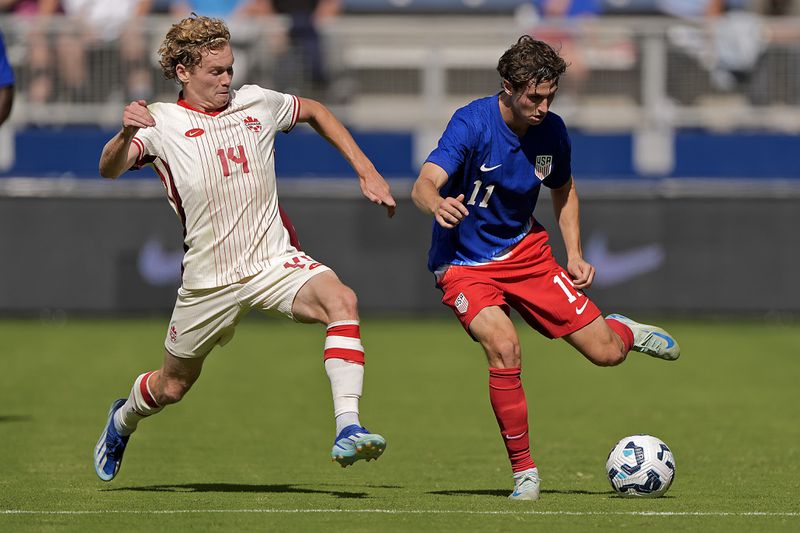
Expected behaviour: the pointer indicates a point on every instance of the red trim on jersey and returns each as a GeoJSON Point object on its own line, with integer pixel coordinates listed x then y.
{"type": "Point", "coordinates": [287, 223]}
{"type": "Point", "coordinates": [295, 113]}
{"type": "Point", "coordinates": [148, 398]}
{"type": "Point", "coordinates": [352, 331]}
{"type": "Point", "coordinates": [139, 146]}
{"type": "Point", "coordinates": [172, 192]}
{"type": "Point", "coordinates": [183, 103]}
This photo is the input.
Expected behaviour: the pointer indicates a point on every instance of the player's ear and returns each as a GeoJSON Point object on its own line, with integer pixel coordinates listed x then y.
{"type": "Point", "coordinates": [182, 73]}
{"type": "Point", "coordinates": [507, 88]}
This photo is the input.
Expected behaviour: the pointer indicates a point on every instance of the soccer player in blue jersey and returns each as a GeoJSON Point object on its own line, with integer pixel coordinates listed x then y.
{"type": "Point", "coordinates": [489, 254]}
{"type": "Point", "coordinates": [6, 83]}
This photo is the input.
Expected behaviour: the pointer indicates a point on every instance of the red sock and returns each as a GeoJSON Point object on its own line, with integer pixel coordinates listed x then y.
{"type": "Point", "coordinates": [511, 411]}
{"type": "Point", "coordinates": [623, 331]}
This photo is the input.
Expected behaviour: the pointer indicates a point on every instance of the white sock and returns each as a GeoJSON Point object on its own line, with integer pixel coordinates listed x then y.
{"type": "Point", "coordinates": [347, 381]}
{"type": "Point", "coordinates": [346, 419]}
{"type": "Point", "coordinates": [140, 404]}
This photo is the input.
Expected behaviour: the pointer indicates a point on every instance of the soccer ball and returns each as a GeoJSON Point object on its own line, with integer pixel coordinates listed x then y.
{"type": "Point", "coordinates": [640, 465]}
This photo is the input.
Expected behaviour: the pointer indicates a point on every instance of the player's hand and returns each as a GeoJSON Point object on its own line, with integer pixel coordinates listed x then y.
{"type": "Point", "coordinates": [376, 190]}
{"type": "Point", "coordinates": [137, 116]}
{"type": "Point", "coordinates": [450, 211]}
{"type": "Point", "coordinates": [582, 273]}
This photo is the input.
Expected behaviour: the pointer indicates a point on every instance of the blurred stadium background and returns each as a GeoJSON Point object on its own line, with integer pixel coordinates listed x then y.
{"type": "Point", "coordinates": [685, 149]}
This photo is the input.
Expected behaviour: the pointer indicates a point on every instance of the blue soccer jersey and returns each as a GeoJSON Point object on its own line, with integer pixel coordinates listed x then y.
{"type": "Point", "coordinates": [6, 74]}
{"type": "Point", "coordinates": [499, 174]}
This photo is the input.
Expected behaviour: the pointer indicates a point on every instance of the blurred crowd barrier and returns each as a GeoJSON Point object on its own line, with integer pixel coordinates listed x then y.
{"type": "Point", "coordinates": [398, 72]}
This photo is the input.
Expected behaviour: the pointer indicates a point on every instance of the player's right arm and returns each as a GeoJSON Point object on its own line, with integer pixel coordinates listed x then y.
{"type": "Point", "coordinates": [449, 211]}
{"type": "Point", "coordinates": [119, 154]}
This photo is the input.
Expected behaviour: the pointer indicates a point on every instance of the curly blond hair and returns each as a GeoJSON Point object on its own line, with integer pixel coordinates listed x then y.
{"type": "Point", "coordinates": [188, 39]}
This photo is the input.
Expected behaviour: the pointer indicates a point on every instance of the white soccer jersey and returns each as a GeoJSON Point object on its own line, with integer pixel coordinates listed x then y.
{"type": "Point", "coordinates": [219, 173]}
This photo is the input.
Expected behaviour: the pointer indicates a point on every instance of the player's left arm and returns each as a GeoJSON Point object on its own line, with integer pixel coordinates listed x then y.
{"type": "Point", "coordinates": [373, 186]}
{"type": "Point", "coordinates": [6, 102]}
{"type": "Point", "coordinates": [567, 210]}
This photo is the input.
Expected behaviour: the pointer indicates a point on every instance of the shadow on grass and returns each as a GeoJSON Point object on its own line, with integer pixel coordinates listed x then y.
{"type": "Point", "coordinates": [505, 492]}
{"type": "Point", "coordinates": [15, 418]}
{"type": "Point", "coordinates": [236, 487]}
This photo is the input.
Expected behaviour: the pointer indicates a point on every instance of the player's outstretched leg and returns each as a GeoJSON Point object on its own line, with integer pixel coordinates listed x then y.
{"type": "Point", "coordinates": [356, 442]}
{"type": "Point", "coordinates": [110, 446]}
{"type": "Point", "coordinates": [651, 340]}
{"type": "Point", "coordinates": [526, 485]}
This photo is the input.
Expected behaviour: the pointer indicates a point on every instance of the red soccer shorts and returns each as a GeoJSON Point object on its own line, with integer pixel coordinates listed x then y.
{"type": "Point", "coordinates": [529, 280]}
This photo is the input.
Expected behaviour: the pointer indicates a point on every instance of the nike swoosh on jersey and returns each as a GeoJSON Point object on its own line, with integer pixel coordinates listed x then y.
{"type": "Point", "coordinates": [484, 168]}
{"type": "Point", "coordinates": [579, 310]}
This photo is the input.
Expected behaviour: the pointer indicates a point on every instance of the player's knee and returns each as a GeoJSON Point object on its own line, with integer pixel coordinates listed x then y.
{"type": "Point", "coordinates": [343, 304]}
{"type": "Point", "coordinates": [503, 352]}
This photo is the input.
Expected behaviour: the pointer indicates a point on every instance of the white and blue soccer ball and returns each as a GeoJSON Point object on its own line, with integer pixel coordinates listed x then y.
{"type": "Point", "coordinates": [640, 465]}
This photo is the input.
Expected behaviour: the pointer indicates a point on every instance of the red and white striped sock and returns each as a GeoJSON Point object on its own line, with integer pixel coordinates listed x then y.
{"type": "Point", "coordinates": [140, 404]}
{"type": "Point", "coordinates": [344, 363]}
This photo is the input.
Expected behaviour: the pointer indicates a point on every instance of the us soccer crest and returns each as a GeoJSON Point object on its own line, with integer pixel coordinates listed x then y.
{"type": "Point", "coordinates": [252, 124]}
{"type": "Point", "coordinates": [544, 164]}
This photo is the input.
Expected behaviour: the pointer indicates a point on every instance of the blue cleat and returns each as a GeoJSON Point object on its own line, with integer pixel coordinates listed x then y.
{"type": "Point", "coordinates": [651, 340]}
{"type": "Point", "coordinates": [526, 485]}
{"type": "Point", "coordinates": [110, 447]}
{"type": "Point", "coordinates": [354, 443]}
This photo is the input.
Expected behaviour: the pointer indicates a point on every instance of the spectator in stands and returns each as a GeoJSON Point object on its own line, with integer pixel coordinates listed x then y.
{"type": "Point", "coordinates": [560, 20]}
{"type": "Point", "coordinates": [6, 83]}
{"type": "Point", "coordinates": [224, 9]}
{"type": "Point", "coordinates": [94, 32]}
{"type": "Point", "coordinates": [302, 66]}
{"type": "Point", "coordinates": [691, 9]}
{"type": "Point", "coordinates": [19, 7]}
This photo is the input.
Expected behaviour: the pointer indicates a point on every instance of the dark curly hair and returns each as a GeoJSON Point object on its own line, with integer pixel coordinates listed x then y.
{"type": "Point", "coordinates": [530, 61]}
{"type": "Point", "coordinates": [188, 39]}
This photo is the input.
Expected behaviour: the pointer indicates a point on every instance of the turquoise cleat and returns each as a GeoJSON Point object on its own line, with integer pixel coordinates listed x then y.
{"type": "Point", "coordinates": [354, 443]}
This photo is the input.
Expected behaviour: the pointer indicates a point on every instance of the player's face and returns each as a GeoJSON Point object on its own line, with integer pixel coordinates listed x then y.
{"type": "Point", "coordinates": [531, 104]}
{"type": "Point", "coordinates": [208, 85]}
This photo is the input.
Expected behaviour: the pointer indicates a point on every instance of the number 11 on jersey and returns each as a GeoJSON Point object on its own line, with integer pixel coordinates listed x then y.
{"type": "Point", "coordinates": [570, 297]}
{"type": "Point", "coordinates": [476, 190]}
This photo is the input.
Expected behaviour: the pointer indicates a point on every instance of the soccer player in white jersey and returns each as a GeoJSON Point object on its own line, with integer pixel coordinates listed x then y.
{"type": "Point", "coordinates": [213, 151]}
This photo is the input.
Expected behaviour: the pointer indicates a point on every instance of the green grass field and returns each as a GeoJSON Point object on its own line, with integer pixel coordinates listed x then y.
{"type": "Point", "coordinates": [248, 447]}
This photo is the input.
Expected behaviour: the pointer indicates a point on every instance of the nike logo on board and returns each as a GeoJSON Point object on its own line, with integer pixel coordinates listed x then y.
{"type": "Point", "coordinates": [484, 168]}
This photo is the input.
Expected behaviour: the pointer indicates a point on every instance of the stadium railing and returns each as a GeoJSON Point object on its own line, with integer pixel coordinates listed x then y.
{"type": "Point", "coordinates": [395, 72]}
